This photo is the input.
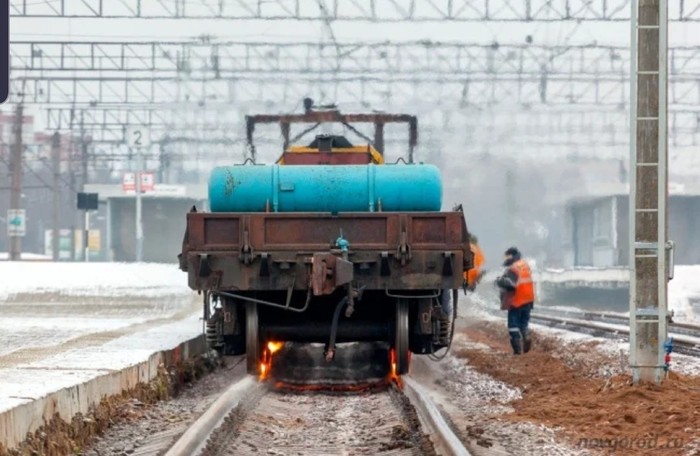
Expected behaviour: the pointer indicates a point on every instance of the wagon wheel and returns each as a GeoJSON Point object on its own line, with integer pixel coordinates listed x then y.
{"type": "Point", "coordinates": [252, 337]}
{"type": "Point", "coordinates": [402, 355]}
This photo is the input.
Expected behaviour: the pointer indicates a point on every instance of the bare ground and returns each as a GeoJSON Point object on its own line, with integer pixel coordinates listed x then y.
{"type": "Point", "coordinates": [575, 393]}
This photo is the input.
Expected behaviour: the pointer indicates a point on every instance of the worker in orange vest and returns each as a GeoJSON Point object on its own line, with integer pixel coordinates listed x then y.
{"type": "Point", "coordinates": [518, 298]}
{"type": "Point", "coordinates": [473, 276]}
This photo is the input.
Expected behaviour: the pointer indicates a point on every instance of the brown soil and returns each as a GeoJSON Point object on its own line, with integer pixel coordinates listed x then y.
{"type": "Point", "coordinates": [562, 388]}
{"type": "Point", "coordinates": [59, 437]}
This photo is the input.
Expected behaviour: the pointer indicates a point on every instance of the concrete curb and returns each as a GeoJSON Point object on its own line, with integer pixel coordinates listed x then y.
{"type": "Point", "coordinates": [26, 418]}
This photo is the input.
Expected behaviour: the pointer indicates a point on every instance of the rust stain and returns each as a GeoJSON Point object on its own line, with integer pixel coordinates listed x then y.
{"type": "Point", "coordinates": [230, 184]}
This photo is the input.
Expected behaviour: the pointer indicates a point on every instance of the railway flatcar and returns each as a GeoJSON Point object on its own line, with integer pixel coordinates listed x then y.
{"type": "Point", "coordinates": [329, 244]}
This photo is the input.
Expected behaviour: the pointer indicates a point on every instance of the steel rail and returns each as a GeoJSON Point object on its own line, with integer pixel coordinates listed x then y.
{"type": "Point", "coordinates": [683, 343]}
{"type": "Point", "coordinates": [194, 440]}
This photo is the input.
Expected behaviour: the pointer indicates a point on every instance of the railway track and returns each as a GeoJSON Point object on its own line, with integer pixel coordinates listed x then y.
{"type": "Point", "coordinates": [686, 337]}
{"type": "Point", "coordinates": [254, 417]}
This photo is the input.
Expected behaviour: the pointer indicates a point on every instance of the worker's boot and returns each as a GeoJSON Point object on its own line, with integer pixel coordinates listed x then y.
{"type": "Point", "coordinates": [517, 346]}
{"type": "Point", "coordinates": [527, 345]}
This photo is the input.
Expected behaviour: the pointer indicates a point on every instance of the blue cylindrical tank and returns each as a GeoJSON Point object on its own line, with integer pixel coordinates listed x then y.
{"type": "Point", "coordinates": [325, 188]}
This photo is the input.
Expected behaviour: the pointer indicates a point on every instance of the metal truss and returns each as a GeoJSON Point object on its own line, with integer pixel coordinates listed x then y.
{"type": "Point", "coordinates": [349, 10]}
{"type": "Point", "coordinates": [226, 59]}
{"type": "Point", "coordinates": [370, 74]}
{"type": "Point", "coordinates": [225, 124]}
{"type": "Point", "coordinates": [193, 140]}
{"type": "Point", "coordinates": [374, 92]}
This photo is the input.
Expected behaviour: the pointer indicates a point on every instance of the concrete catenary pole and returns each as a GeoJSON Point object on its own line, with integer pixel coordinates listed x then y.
{"type": "Point", "coordinates": [16, 186]}
{"type": "Point", "coordinates": [648, 190]}
{"type": "Point", "coordinates": [56, 161]}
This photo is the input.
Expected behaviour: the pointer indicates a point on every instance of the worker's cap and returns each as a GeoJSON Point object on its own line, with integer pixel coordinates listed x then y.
{"type": "Point", "coordinates": [513, 251]}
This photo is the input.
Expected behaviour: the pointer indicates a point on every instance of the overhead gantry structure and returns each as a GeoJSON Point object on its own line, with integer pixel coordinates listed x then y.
{"type": "Point", "coordinates": [197, 92]}
{"type": "Point", "coordinates": [349, 10]}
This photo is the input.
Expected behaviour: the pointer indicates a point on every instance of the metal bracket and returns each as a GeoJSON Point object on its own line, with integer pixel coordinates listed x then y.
{"type": "Point", "coordinates": [670, 254]}
{"type": "Point", "coordinates": [204, 268]}
{"type": "Point", "coordinates": [646, 246]}
{"type": "Point", "coordinates": [264, 265]}
{"type": "Point", "coordinates": [384, 268]}
{"type": "Point", "coordinates": [328, 272]}
{"type": "Point", "coordinates": [247, 254]}
{"type": "Point", "coordinates": [403, 252]}
{"type": "Point", "coordinates": [447, 269]}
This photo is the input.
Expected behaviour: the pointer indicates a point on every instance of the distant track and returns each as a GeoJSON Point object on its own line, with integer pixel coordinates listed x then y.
{"type": "Point", "coordinates": [686, 337]}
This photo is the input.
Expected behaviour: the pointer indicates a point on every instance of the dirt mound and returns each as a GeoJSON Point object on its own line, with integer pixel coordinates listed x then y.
{"type": "Point", "coordinates": [564, 386]}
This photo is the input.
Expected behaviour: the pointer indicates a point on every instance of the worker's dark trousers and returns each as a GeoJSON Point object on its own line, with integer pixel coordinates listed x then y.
{"type": "Point", "coordinates": [518, 320]}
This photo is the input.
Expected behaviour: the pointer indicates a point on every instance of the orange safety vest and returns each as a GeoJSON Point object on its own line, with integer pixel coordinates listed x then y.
{"type": "Point", "coordinates": [524, 289]}
{"type": "Point", "coordinates": [471, 275]}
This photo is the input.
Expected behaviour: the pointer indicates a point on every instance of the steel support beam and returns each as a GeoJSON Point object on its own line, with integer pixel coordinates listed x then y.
{"type": "Point", "coordinates": [151, 72]}
{"type": "Point", "coordinates": [589, 126]}
{"type": "Point", "coordinates": [378, 91]}
{"type": "Point", "coordinates": [226, 58]}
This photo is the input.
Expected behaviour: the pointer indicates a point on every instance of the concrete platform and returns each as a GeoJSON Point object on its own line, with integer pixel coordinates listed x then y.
{"type": "Point", "coordinates": [63, 349]}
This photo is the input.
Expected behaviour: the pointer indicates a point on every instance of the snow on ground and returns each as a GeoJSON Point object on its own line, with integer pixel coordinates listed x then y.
{"type": "Point", "coordinates": [683, 364]}
{"type": "Point", "coordinates": [26, 382]}
{"type": "Point", "coordinates": [63, 323]}
{"type": "Point", "coordinates": [91, 279]}
{"type": "Point", "coordinates": [4, 256]}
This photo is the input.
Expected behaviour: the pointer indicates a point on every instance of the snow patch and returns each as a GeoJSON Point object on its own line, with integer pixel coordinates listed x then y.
{"type": "Point", "coordinates": [37, 378]}
{"type": "Point", "coordinates": [478, 305]}
{"type": "Point", "coordinates": [585, 275]}
{"type": "Point", "coordinates": [4, 256]}
{"type": "Point", "coordinates": [683, 290]}
{"type": "Point", "coordinates": [91, 279]}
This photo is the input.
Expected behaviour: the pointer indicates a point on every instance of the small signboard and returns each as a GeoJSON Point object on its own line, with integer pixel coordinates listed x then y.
{"type": "Point", "coordinates": [129, 182]}
{"type": "Point", "coordinates": [94, 243]}
{"type": "Point", "coordinates": [16, 222]}
{"type": "Point", "coordinates": [148, 179]}
{"type": "Point", "coordinates": [88, 201]}
{"type": "Point", "coordinates": [138, 137]}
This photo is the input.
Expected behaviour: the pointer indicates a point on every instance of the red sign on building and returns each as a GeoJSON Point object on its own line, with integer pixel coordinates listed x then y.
{"type": "Point", "coordinates": [147, 182]}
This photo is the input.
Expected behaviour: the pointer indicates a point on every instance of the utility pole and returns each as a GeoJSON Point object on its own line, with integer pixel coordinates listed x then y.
{"type": "Point", "coordinates": [56, 160]}
{"type": "Point", "coordinates": [137, 138]}
{"type": "Point", "coordinates": [139, 219]}
{"type": "Point", "coordinates": [16, 186]}
{"type": "Point", "coordinates": [71, 167]}
{"type": "Point", "coordinates": [649, 246]}
{"type": "Point", "coordinates": [84, 166]}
